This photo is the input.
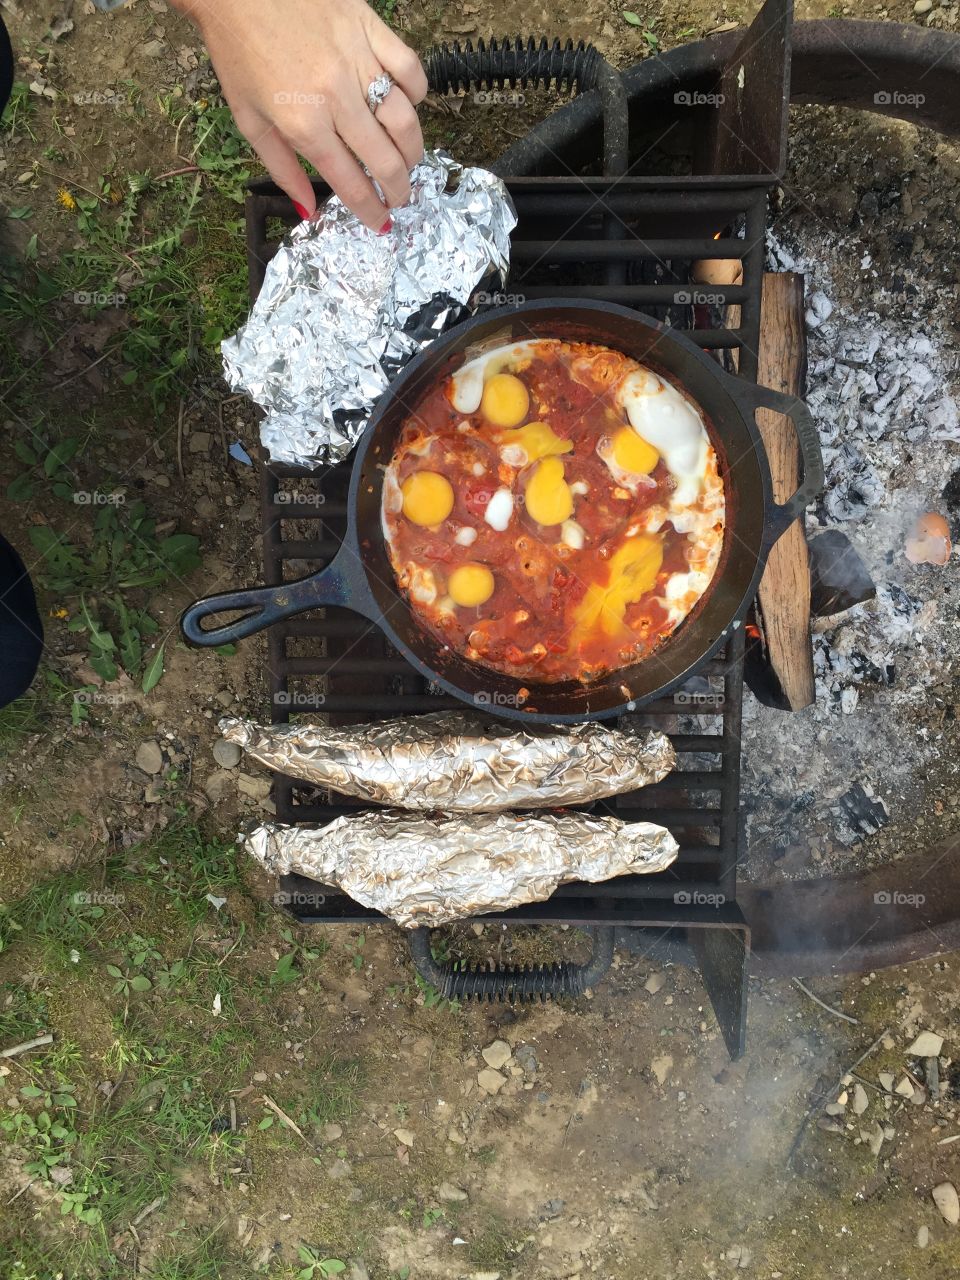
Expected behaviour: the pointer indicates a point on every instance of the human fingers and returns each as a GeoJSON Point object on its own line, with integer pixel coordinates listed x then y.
{"type": "Point", "coordinates": [397, 115]}
{"type": "Point", "coordinates": [280, 161]}
{"type": "Point", "coordinates": [369, 140]}
{"type": "Point", "coordinates": [401, 62]}
{"type": "Point", "coordinates": [335, 163]}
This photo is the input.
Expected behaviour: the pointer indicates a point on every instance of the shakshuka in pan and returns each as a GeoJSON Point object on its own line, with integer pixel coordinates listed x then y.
{"type": "Point", "coordinates": [553, 510]}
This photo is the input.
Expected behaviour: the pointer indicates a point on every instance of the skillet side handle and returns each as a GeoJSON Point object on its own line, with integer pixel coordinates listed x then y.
{"type": "Point", "coordinates": [811, 457]}
{"type": "Point", "coordinates": [263, 606]}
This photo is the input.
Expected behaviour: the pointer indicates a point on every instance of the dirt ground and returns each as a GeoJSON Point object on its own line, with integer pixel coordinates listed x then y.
{"type": "Point", "coordinates": [227, 1095]}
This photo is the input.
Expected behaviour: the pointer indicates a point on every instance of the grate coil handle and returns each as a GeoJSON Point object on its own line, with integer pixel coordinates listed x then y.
{"type": "Point", "coordinates": [514, 983]}
{"type": "Point", "coordinates": [520, 64]}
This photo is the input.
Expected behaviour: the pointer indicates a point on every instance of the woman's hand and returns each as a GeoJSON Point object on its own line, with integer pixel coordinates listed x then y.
{"type": "Point", "coordinates": [296, 72]}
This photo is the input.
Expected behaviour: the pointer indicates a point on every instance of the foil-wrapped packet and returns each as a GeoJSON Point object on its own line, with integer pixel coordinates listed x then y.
{"type": "Point", "coordinates": [430, 869]}
{"type": "Point", "coordinates": [342, 309]}
{"type": "Point", "coordinates": [460, 763]}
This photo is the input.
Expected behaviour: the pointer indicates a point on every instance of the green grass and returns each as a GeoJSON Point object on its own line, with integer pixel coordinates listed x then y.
{"type": "Point", "coordinates": [133, 996]}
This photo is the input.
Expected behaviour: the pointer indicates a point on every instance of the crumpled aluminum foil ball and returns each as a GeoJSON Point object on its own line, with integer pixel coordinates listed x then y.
{"type": "Point", "coordinates": [342, 309]}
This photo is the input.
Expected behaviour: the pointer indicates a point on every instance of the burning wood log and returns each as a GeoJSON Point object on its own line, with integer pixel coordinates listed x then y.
{"type": "Point", "coordinates": [784, 595]}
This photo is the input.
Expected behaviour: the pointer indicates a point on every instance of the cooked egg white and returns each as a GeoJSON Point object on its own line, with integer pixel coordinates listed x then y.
{"type": "Point", "coordinates": [664, 419]}
{"type": "Point", "coordinates": [499, 510]}
{"type": "Point", "coordinates": [573, 535]}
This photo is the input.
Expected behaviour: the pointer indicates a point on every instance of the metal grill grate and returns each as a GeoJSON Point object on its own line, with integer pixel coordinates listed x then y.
{"type": "Point", "coordinates": [332, 662]}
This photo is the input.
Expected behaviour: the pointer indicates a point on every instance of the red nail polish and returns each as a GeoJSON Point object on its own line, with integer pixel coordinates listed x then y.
{"type": "Point", "coordinates": [301, 210]}
{"type": "Point", "coordinates": [387, 226]}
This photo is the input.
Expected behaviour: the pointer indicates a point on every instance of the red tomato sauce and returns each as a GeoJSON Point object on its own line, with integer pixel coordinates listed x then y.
{"type": "Point", "coordinates": [531, 626]}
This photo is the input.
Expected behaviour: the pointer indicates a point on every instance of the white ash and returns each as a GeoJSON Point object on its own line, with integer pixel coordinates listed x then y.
{"type": "Point", "coordinates": [880, 368]}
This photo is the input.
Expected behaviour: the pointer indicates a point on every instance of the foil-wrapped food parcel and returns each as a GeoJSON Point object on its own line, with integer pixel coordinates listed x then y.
{"type": "Point", "coordinates": [342, 309]}
{"type": "Point", "coordinates": [432, 869]}
{"type": "Point", "coordinates": [457, 762]}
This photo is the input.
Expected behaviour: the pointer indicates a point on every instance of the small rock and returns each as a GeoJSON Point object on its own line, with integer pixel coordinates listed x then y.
{"type": "Point", "coordinates": [830, 1126]}
{"type": "Point", "coordinates": [200, 441]}
{"type": "Point", "coordinates": [550, 1210]}
{"type": "Point", "coordinates": [497, 1054]}
{"type": "Point", "coordinates": [149, 756]}
{"type": "Point", "coordinates": [226, 754]}
{"type": "Point", "coordinates": [860, 1100]}
{"type": "Point", "coordinates": [447, 1191]}
{"type": "Point", "coordinates": [738, 1255]}
{"type": "Point", "coordinates": [206, 508]}
{"type": "Point", "coordinates": [491, 1081]}
{"type": "Point", "coordinates": [923, 1237]}
{"type": "Point", "coordinates": [256, 788]}
{"type": "Point", "coordinates": [886, 1080]}
{"type": "Point", "coordinates": [358, 1270]}
{"type": "Point", "coordinates": [260, 1077]}
{"type": "Point", "coordinates": [454, 1135]}
{"type": "Point", "coordinates": [339, 1169]}
{"type": "Point", "coordinates": [218, 784]}
{"type": "Point", "coordinates": [654, 983]}
{"type": "Point", "coordinates": [331, 1132]}
{"type": "Point", "coordinates": [484, 1275]}
{"type": "Point", "coordinates": [61, 1176]}
{"type": "Point", "coordinates": [834, 1108]}
{"type": "Point", "coordinates": [923, 6]}
{"type": "Point", "coordinates": [661, 1067]}
{"type": "Point", "coordinates": [905, 1088]}
{"type": "Point", "coordinates": [927, 1045]}
{"type": "Point", "coordinates": [404, 1136]}
{"type": "Point", "coordinates": [153, 792]}
{"type": "Point", "coordinates": [946, 1200]}
{"type": "Point", "coordinates": [526, 1058]}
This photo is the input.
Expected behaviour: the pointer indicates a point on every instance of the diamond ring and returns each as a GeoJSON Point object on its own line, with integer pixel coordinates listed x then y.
{"type": "Point", "coordinates": [377, 90]}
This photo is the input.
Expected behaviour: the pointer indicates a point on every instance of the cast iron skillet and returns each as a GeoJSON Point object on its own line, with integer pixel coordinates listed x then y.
{"type": "Point", "coordinates": [361, 578]}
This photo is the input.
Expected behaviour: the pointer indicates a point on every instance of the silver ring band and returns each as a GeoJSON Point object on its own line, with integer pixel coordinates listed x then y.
{"type": "Point", "coordinates": [377, 90]}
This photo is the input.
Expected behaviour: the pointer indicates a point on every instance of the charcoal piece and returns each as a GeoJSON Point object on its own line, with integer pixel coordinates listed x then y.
{"type": "Point", "coordinates": [838, 577]}
{"type": "Point", "coordinates": [865, 813]}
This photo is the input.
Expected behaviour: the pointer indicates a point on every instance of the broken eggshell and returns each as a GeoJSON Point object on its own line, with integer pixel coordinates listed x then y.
{"type": "Point", "coordinates": [929, 540]}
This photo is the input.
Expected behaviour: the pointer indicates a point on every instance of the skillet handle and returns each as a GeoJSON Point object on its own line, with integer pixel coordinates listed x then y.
{"type": "Point", "coordinates": [811, 457]}
{"type": "Point", "coordinates": [263, 606]}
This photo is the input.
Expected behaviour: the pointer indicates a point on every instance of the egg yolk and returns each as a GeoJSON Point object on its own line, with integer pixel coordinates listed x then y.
{"type": "Point", "coordinates": [548, 496]}
{"type": "Point", "coordinates": [471, 585]}
{"type": "Point", "coordinates": [505, 400]}
{"type": "Point", "coordinates": [537, 440]}
{"type": "Point", "coordinates": [427, 498]}
{"type": "Point", "coordinates": [633, 572]}
{"type": "Point", "coordinates": [632, 453]}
